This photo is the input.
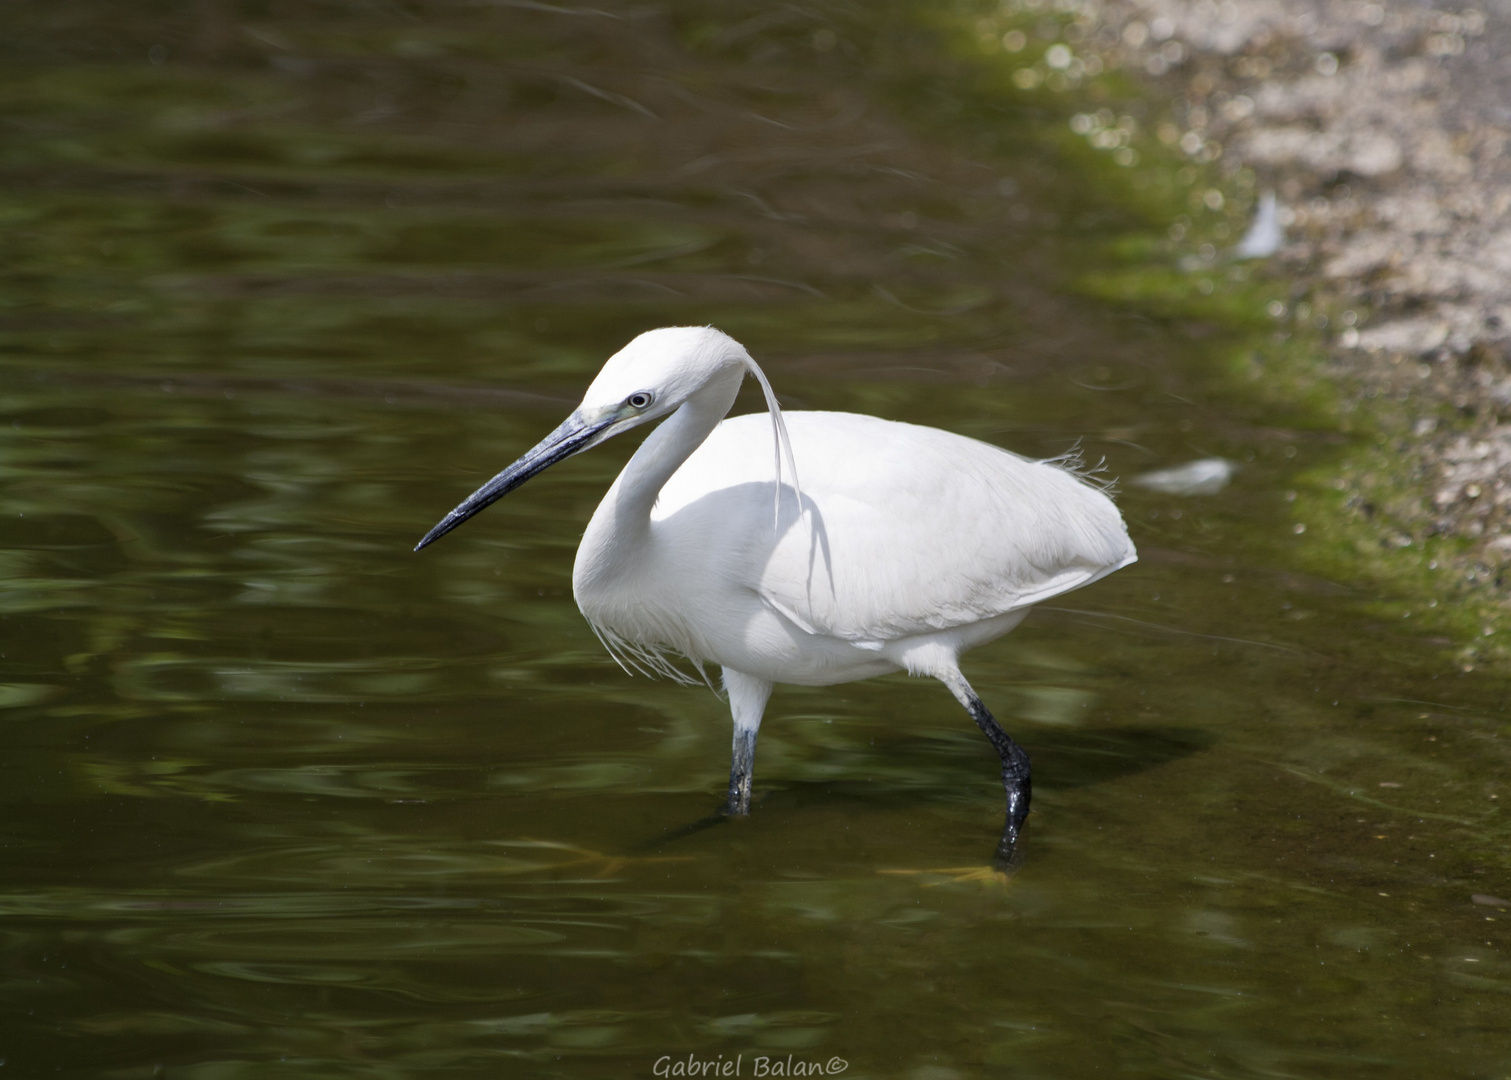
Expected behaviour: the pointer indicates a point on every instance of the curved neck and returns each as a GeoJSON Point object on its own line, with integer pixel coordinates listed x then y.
{"type": "Point", "coordinates": [671, 444]}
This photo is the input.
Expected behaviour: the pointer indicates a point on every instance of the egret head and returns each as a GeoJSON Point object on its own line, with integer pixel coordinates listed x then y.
{"type": "Point", "coordinates": [646, 380]}
{"type": "Point", "coordinates": [658, 371]}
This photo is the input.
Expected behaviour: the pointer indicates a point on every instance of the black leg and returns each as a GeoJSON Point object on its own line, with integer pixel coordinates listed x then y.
{"type": "Point", "coordinates": [741, 769]}
{"type": "Point", "coordinates": [1017, 777]}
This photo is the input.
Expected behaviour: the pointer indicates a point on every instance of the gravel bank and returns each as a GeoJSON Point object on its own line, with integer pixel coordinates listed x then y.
{"type": "Point", "coordinates": [1383, 127]}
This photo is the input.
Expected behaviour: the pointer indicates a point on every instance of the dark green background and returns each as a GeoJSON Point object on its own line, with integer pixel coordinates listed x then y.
{"type": "Point", "coordinates": [282, 282]}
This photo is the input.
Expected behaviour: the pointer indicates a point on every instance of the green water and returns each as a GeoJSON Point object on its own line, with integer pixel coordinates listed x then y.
{"type": "Point", "coordinates": [283, 282]}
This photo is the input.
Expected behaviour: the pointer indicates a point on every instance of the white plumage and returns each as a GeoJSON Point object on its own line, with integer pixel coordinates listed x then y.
{"type": "Point", "coordinates": [894, 547]}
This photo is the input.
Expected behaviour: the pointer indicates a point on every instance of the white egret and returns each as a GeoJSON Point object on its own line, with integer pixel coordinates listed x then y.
{"type": "Point", "coordinates": [819, 549]}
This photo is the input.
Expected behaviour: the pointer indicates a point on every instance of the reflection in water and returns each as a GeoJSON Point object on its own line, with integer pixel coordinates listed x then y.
{"type": "Point", "coordinates": [280, 795]}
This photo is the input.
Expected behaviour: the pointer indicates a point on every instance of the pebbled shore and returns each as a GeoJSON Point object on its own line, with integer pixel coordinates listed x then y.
{"type": "Point", "coordinates": [1384, 128]}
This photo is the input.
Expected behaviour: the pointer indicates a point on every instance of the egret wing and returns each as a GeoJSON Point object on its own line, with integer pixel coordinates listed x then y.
{"type": "Point", "coordinates": [905, 529]}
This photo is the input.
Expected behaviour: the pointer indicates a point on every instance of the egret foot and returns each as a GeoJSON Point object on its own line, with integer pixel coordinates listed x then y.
{"type": "Point", "coordinates": [741, 770]}
{"type": "Point", "coordinates": [1008, 858]}
{"type": "Point", "coordinates": [1017, 779]}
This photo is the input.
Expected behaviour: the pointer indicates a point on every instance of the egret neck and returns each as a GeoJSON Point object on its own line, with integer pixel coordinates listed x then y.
{"type": "Point", "coordinates": [619, 530]}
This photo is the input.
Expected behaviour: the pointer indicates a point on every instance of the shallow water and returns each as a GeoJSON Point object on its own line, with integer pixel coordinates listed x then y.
{"type": "Point", "coordinates": [282, 285]}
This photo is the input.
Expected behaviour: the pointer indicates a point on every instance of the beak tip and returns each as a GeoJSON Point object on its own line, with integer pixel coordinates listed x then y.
{"type": "Point", "coordinates": [445, 526]}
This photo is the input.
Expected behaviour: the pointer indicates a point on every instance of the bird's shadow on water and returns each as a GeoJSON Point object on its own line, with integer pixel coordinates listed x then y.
{"type": "Point", "coordinates": [682, 832]}
{"type": "Point", "coordinates": [1068, 758]}
{"type": "Point", "coordinates": [1064, 759]}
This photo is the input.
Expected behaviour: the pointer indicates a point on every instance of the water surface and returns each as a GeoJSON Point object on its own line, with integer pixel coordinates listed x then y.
{"type": "Point", "coordinates": [282, 283]}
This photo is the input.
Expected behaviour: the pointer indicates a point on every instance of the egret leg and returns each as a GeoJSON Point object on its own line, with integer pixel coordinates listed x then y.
{"type": "Point", "coordinates": [1017, 773]}
{"type": "Point", "coordinates": [747, 703]}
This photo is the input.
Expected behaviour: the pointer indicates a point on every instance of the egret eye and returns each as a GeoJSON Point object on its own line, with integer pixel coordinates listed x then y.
{"type": "Point", "coordinates": [639, 401]}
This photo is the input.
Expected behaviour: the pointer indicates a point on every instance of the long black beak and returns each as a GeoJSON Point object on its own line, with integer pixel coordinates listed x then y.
{"type": "Point", "coordinates": [573, 436]}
